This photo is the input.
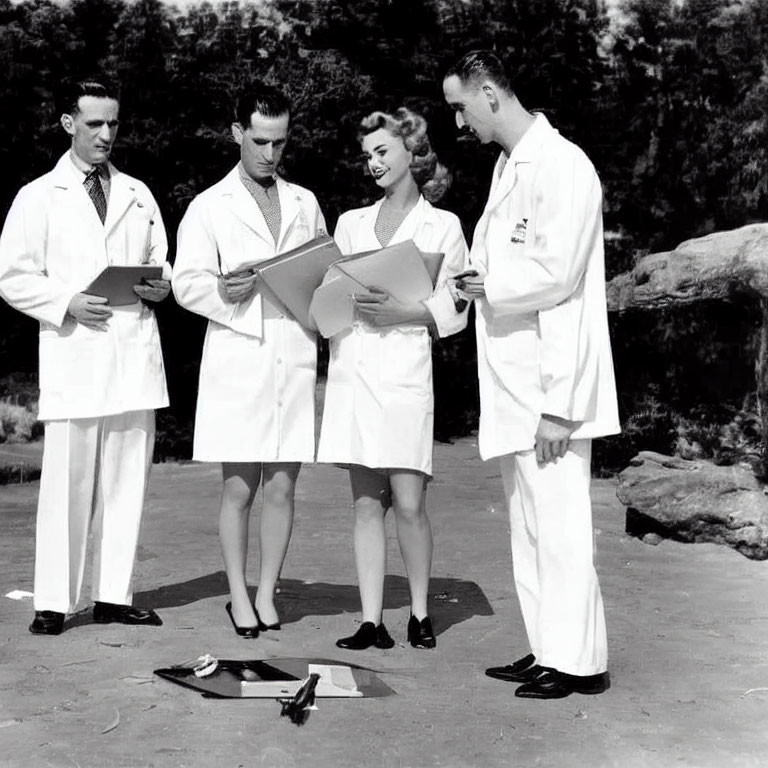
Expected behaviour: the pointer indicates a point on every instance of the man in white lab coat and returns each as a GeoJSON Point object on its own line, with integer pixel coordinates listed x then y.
{"type": "Point", "coordinates": [101, 367]}
{"type": "Point", "coordinates": [547, 387]}
{"type": "Point", "coordinates": [256, 397]}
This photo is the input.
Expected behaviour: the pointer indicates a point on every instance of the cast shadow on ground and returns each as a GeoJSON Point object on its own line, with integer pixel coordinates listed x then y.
{"type": "Point", "coordinates": [451, 600]}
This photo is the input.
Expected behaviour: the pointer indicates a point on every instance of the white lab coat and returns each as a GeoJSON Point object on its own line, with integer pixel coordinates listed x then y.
{"type": "Point", "coordinates": [379, 402]}
{"type": "Point", "coordinates": [257, 374]}
{"type": "Point", "coordinates": [543, 348]}
{"type": "Point", "coordinates": [98, 389]}
{"type": "Point", "coordinates": [542, 330]}
{"type": "Point", "coordinates": [52, 246]}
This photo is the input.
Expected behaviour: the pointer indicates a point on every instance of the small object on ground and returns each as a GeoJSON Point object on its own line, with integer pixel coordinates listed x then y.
{"type": "Point", "coordinates": [203, 666]}
{"type": "Point", "coordinates": [297, 708]}
{"type": "Point", "coordinates": [19, 594]}
{"type": "Point", "coordinates": [278, 678]}
{"type": "Point", "coordinates": [206, 665]}
{"type": "Point", "coordinates": [114, 723]}
{"type": "Point", "coordinates": [754, 690]}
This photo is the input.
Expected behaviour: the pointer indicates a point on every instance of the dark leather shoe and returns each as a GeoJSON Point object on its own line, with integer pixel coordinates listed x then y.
{"type": "Point", "coordinates": [551, 684]}
{"type": "Point", "coordinates": [264, 627]}
{"type": "Point", "coordinates": [47, 623]}
{"type": "Point", "coordinates": [249, 632]}
{"type": "Point", "coordinates": [420, 633]}
{"type": "Point", "coordinates": [367, 635]}
{"type": "Point", "coordinates": [520, 671]}
{"type": "Point", "coordinates": [106, 613]}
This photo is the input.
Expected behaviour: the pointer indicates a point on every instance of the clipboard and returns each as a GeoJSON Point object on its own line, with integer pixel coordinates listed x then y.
{"type": "Point", "coordinates": [115, 283]}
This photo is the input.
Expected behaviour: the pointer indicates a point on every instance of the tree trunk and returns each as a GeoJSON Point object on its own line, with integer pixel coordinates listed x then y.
{"type": "Point", "coordinates": [762, 383]}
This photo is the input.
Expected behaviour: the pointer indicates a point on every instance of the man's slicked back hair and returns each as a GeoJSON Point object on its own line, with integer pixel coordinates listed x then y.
{"type": "Point", "coordinates": [73, 90]}
{"type": "Point", "coordinates": [262, 99]}
{"type": "Point", "coordinates": [476, 66]}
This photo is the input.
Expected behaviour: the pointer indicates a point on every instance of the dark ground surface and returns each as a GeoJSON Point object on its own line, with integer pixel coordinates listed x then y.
{"type": "Point", "coordinates": [688, 632]}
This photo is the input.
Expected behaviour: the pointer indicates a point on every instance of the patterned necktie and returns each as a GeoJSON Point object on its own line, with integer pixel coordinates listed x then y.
{"type": "Point", "coordinates": [96, 193]}
{"type": "Point", "coordinates": [271, 210]}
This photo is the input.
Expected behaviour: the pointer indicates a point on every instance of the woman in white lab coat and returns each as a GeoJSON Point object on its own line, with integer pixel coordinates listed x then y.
{"type": "Point", "coordinates": [379, 403]}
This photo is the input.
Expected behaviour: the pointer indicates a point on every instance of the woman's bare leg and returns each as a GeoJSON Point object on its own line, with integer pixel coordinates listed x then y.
{"type": "Point", "coordinates": [279, 486]}
{"type": "Point", "coordinates": [240, 483]}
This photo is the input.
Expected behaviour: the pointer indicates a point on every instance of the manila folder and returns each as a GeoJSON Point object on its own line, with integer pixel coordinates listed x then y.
{"type": "Point", "coordinates": [115, 283]}
{"type": "Point", "coordinates": [292, 277]}
{"type": "Point", "coordinates": [398, 269]}
{"type": "Point", "coordinates": [332, 308]}
{"type": "Point", "coordinates": [433, 261]}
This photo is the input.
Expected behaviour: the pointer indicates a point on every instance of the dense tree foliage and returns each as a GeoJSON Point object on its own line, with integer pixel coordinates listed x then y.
{"type": "Point", "coordinates": [668, 97]}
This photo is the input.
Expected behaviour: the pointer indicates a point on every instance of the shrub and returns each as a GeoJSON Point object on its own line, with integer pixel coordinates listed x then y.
{"type": "Point", "coordinates": [18, 424]}
{"type": "Point", "coordinates": [20, 389]}
{"type": "Point", "coordinates": [652, 427]}
{"type": "Point", "coordinates": [18, 473]}
{"type": "Point", "coordinates": [173, 437]}
{"type": "Point", "coordinates": [724, 434]}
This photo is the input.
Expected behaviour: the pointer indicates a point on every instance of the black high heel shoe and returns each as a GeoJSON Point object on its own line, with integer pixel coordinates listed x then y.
{"type": "Point", "coordinates": [420, 633]}
{"type": "Point", "coordinates": [367, 635]}
{"type": "Point", "coordinates": [264, 627]}
{"type": "Point", "coordinates": [249, 632]}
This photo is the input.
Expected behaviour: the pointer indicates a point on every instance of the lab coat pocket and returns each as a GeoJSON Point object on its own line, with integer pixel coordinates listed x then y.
{"type": "Point", "coordinates": [75, 366]}
{"type": "Point", "coordinates": [513, 345]}
{"type": "Point", "coordinates": [406, 362]}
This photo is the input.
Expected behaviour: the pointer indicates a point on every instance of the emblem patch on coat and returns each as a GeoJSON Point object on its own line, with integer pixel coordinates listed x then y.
{"type": "Point", "coordinates": [518, 234]}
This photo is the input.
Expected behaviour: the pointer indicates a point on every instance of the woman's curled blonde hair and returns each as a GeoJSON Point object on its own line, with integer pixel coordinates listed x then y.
{"type": "Point", "coordinates": [431, 176]}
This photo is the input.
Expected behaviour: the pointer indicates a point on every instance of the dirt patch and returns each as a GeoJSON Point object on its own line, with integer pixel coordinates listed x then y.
{"type": "Point", "coordinates": [687, 623]}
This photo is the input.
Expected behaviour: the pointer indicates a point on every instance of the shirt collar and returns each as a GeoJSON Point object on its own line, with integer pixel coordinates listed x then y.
{"type": "Point", "coordinates": [85, 168]}
{"type": "Point", "coordinates": [249, 181]}
{"type": "Point", "coordinates": [525, 149]}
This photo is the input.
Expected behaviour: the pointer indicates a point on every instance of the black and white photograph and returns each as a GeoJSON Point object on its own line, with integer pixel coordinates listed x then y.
{"type": "Point", "coordinates": [383, 383]}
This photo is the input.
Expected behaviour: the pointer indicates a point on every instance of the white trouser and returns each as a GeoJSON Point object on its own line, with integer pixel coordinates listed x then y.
{"type": "Point", "coordinates": [92, 469]}
{"type": "Point", "coordinates": [550, 516]}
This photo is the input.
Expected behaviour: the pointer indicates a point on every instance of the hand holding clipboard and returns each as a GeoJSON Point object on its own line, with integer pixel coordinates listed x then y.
{"type": "Point", "coordinates": [117, 286]}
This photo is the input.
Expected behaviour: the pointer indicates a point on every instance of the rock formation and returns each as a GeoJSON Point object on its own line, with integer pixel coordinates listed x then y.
{"type": "Point", "coordinates": [670, 497]}
{"type": "Point", "coordinates": [698, 501]}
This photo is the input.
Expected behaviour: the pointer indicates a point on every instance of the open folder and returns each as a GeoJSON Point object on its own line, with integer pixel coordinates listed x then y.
{"type": "Point", "coordinates": [401, 270]}
{"type": "Point", "coordinates": [115, 283]}
{"type": "Point", "coordinates": [289, 279]}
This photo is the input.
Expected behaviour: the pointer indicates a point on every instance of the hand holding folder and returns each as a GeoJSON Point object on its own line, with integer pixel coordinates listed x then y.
{"type": "Point", "coordinates": [289, 279]}
{"type": "Point", "coordinates": [401, 270]}
{"type": "Point", "coordinates": [115, 283]}
{"type": "Point", "coordinates": [238, 286]}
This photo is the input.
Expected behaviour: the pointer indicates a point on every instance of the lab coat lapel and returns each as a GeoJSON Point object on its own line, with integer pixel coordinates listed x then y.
{"type": "Point", "coordinates": [410, 225]}
{"type": "Point", "coordinates": [291, 210]}
{"type": "Point", "coordinates": [365, 237]}
{"type": "Point", "coordinates": [122, 195]}
{"type": "Point", "coordinates": [245, 207]}
{"type": "Point", "coordinates": [69, 181]}
{"type": "Point", "coordinates": [501, 185]}
{"type": "Point", "coordinates": [528, 147]}
{"type": "Point", "coordinates": [504, 178]}
{"type": "Point", "coordinates": [505, 174]}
